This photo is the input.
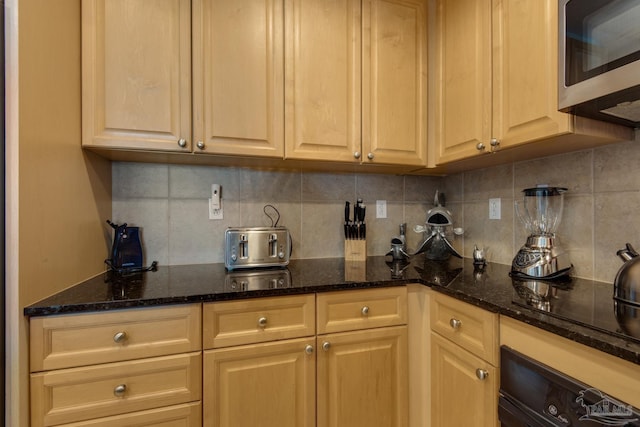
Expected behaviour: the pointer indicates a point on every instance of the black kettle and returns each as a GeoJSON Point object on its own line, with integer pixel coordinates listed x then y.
{"type": "Point", "coordinates": [627, 283]}
{"type": "Point", "coordinates": [126, 251]}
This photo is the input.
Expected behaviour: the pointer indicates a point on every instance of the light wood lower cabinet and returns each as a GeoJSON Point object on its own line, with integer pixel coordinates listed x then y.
{"type": "Point", "coordinates": [133, 367]}
{"type": "Point", "coordinates": [461, 395]}
{"type": "Point", "coordinates": [464, 362]}
{"type": "Point", "coordinates": [268, 384]}
{"type": "Point", "coordinates": [258, 372]}
{"type": "Point", "coordinates": [363, 379]}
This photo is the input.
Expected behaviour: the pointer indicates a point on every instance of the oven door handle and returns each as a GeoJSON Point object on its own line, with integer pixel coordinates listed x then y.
{"type": "Point", "coordinates": [513, 413]}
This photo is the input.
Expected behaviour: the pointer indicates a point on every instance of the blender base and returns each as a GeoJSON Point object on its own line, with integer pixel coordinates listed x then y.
{"type": "Point", "coordinates": [540, 263]}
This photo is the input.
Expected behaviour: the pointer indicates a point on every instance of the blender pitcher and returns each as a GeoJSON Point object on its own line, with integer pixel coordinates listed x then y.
{"type": "Point", "coordinates": [541, 211]}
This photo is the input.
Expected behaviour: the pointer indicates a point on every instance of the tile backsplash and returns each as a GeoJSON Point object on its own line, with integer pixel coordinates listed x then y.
{"type": "Point", "coordinates": [170, 203]}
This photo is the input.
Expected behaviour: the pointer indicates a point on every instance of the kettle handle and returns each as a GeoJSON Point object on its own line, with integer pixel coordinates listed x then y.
{"type": "Point", "coordinates": [628, 253]}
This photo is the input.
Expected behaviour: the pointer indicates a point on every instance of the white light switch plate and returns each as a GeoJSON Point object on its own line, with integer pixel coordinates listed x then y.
{"type": "Point", "coordinates": [494, 208]}
{"type": "Point", "coordinates": [381, 208]}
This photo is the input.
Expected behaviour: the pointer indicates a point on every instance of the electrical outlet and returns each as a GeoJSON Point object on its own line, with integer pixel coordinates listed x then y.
{"type": "Point", "coordinates": [213, 212]}
{"type": "Point", "coordinates": [381, 208]}
{"type": "Point", "coordinates": [494, 208]}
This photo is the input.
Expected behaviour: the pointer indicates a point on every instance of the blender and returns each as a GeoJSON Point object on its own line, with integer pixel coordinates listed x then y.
{"type": "Point", "coordinates": [540, 258]}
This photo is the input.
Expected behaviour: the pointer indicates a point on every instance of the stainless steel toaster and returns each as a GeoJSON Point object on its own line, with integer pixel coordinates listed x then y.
{"type": "Point", "coordinates": [253, 247]}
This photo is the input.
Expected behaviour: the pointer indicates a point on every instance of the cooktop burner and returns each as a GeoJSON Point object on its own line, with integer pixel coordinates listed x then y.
{"type": "Point", "coordinates": [588, 303]}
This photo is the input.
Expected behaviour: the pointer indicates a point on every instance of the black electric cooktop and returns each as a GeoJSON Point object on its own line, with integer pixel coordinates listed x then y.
{"type": "Point", "coordinates": [590, 304]}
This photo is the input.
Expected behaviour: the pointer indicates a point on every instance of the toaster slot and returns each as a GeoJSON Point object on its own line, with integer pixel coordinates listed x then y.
{"type": "Point", "coordinates": [243, 247]}
{"type": "Point", "coordinates": [273, 245]}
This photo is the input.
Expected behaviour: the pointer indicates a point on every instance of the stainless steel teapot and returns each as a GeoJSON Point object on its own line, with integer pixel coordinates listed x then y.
{"type": "Point", "coordinates": [627, 283]}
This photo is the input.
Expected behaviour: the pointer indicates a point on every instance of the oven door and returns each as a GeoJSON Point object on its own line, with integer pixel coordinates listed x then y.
{"type": "Point", "coordinates": [535, 395]}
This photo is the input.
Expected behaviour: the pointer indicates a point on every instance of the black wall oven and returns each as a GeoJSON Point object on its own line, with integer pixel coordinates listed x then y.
{"type": "Point", "coordinates": [535, 395]}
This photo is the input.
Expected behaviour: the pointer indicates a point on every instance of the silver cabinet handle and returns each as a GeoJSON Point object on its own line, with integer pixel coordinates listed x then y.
{"type": "Point", "coordinates": [120, 337]}
{"type": "Point", "coordinates": [494, 142]}
{"type": "Point", "coordinates": [120, 390]}
{"type": "Point", "coordinates": [365, 311]}
{"type": "Point", "coordinates": [200, 145]}
{"type": "Point", "coordinates": [182, 142]}
{"type": "Point", "coordinates": [455, 323]}
{"type": "Point", "coordinates": [482, 374]}
{"type": "Point", "coordinates": [308, 349]}
{"type": "Point", "coordinates": [357, 154]}
{"type": "Point", "coordinates": [262, 322]}
{"type": "Point", "coordinates": [326, 345]}
{"type": "Point", "coordinates": [370, 156]}
{"type": "Point", "coordinates": [480, 146]}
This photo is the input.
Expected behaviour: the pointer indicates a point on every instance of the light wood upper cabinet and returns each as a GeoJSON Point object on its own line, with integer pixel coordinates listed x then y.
{"type": "Point", "coordinates": [394, 82]}
{"type": "Point", "coordinates": [497, 66]}
{"type": "Point", "coordinates": [463, 67]}
{"type": "Point", "coordinates": [136, 74]}
{"type": "Point", "coordinates": [323, 79]}
{"type": "Point", "coordinates": [525, 72]}
{"type": "Point", "coordinates": [356, 81]}
{"type": "Point", "coordinates": [238, 84]}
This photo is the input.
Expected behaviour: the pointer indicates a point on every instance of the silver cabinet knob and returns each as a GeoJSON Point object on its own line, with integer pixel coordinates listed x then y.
{"type": "Point", "coordinates": [120, 390]}
{"type": "Point", "coordinates": [370, 156]}
{"type": "Point", "coordinates": [326, 345]}
{"type": "Point", "coordinates": [262, 322]}
{"type": "Point", "coordinates": [482, 374]}
{"type": "Point", "coordinates": [200, 145]}
{"type": "Point", "coordinates": [357, 154]}
{"type": "Point", "coordinates": [455, 323]}
{"type": "Point", "coordinates": [480, 146]}
{"type": "Point", "coordinates": [120, 337]}
{"type": "Point", "coordinates": [365, 311]}
{"type": "Point", "coordinates": [494, 142]}
{"type": "Point", "coordinates": [182, 142]}
{"type": "Point", "coordinates": [308, 349]}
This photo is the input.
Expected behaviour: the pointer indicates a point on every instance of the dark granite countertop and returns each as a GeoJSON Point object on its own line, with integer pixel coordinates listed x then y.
{"type": "Point", "coordinates": [490, 288]}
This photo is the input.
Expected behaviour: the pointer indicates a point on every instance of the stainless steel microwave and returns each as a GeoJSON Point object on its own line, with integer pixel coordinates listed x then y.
{"type": "Point", "coordinates": [599, 59]}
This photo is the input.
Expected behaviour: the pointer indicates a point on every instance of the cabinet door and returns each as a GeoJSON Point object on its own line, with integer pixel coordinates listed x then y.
{"type": "Point", "coordinates": [525, 100]}
{"type": "Point", "coordinates": [238, 84]}
{"type": "Point", "coordinates": [136, 74]}
{"type": "Point", "coordinates": [323, 69]}
{"type": "Point", "coordinates": [363, 379]}
{"type": "Point", "coordinates": [394, 81]}
{"type": "Point", "coordinates": [463, 83]}
{"type": "Point", "coordinates": [269, 384]}
{"type": "Point", "coordinates": [459, 396]}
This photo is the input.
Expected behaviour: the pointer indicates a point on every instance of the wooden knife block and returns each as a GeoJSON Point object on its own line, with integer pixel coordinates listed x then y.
{"type": "Point", "coordinates": [355, 250]}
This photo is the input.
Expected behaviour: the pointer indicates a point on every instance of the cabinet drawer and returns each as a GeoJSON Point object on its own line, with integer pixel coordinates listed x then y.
{"type": "Point", "coordinates": [362, 309]}
{"type": "Point", "coordinates": [258, 320]}
{"type": "Point", "coordinates": [468, 326]}
{"type": "Point", "coordinates": [77, 394]}
{"type": "Point", "coordinates": [187, 415]}
{"type": "Point", "coordinates": [73, 340]}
